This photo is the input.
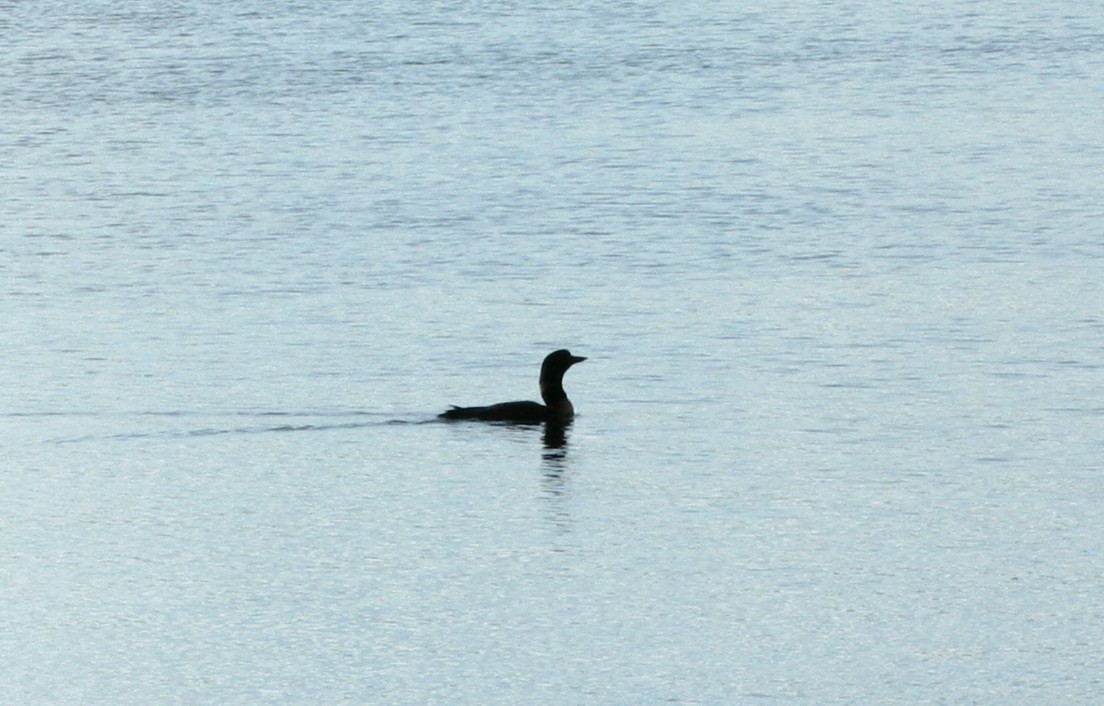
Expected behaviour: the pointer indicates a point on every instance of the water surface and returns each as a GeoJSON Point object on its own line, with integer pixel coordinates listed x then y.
{"type": "Point", "coordinates": [836, 269]}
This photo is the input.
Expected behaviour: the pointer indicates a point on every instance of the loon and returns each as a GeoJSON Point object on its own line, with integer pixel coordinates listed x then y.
{"type": "Point", "coordinates": [556, 408]}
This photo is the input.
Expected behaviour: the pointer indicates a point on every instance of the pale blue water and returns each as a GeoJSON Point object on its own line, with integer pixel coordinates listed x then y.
{"type": "Point", "coordinates": [837, 269]}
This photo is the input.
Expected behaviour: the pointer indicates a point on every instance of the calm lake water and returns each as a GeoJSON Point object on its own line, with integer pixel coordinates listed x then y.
{"type": "Point", "coordinates": [838, 269]}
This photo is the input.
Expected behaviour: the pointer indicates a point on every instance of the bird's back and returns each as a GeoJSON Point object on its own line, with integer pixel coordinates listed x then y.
{"type": "Point", "coordinates": [524, 412]}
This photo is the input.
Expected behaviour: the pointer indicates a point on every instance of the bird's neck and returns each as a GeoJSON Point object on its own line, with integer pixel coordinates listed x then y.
{"type": "Point", "coordinates": [556, 400]}
{"type": "Point", "coordinates": [552, 392]}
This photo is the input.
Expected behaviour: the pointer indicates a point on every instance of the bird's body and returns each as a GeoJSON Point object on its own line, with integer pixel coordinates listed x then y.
{"type": "Point", "coordinates": [557, 408]}
{"type": "Point", "coordinates": [521, 412]}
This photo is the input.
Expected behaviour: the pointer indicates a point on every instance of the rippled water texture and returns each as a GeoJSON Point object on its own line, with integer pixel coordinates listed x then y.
{"type": "Point", "coordinates": [836, 269]}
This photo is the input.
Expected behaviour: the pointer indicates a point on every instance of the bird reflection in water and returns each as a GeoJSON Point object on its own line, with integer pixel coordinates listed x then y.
{"type": "Point", "coordinates": [555, 438]}
{"type": "Point", "coordinates": [554, 456]}
{"type": "Point", "coordinates": [555, 480]}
